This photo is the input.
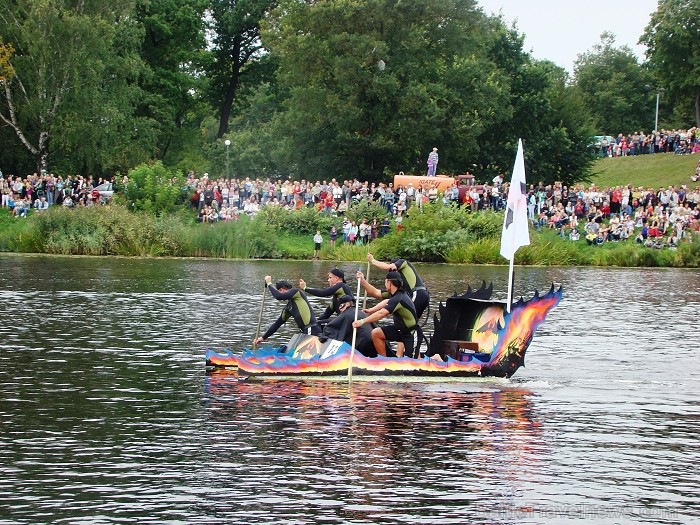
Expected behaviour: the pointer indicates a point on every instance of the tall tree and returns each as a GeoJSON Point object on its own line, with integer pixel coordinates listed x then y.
{"type": "Point", "coordinates": [71, 85]}
{"type": "Point", "coordinates": [374, 85]}
{"type": "Point", "coordinates": [174, 51]}
{"type": "Point", "coordinates": [543, 110]}
{"type": "Point", "coordinates": [673, 48]}
{"type": "Point", "coordinates": [235, 26]}
{"type": "Point", "coordinates": [615, 87]}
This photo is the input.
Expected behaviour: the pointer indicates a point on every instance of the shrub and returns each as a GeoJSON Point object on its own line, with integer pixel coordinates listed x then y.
{"type": "Point", "coordinates": [367, 210]}
{"type": "Point", "coordinates": [155, 189]}
{"type": "Point", "coordinates": [303, 221]}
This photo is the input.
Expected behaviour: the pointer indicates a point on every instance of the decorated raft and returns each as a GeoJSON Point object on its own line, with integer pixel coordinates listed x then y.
{"type": "Point", "coordinates": [473, 334]}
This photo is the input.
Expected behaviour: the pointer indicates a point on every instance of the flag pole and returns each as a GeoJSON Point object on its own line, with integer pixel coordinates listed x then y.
{"type": "Point", "coordinates": [511, 279]}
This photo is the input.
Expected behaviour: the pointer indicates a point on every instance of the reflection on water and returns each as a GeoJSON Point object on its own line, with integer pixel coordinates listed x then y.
{"type": "Point", "coordinates": [394, 450]}
{"type": "Point", "coordinates": [108, 416]}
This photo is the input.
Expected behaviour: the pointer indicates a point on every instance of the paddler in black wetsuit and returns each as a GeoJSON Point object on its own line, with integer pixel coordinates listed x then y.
{"type": "Point", "coordinates": [337, 288]}
{"type": "Point", "coordinates": [400, 306]}
{"type": "Point", "coordinates": [413, 284]}
{"type": "Point", "coordinates": [340, 327]}
{"type": "Point", "coordinates": [297, 307]}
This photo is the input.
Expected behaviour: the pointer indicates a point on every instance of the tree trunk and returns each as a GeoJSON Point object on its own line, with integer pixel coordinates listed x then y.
{"type": "Point", "coordinates": [228, 103]}
{"type": "Point", "coordinates": [43, 153]}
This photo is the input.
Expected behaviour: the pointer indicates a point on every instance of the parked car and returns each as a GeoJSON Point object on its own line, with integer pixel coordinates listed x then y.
{"type": "Point", "coordinates": [103, 192]}
{"type": "Point", "coordinates": [597, 141]}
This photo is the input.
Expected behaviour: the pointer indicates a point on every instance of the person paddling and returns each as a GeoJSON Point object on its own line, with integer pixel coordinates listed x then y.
{"type": "Point", "coordinates": [340, 327]}
{"type": "Point", "coordinates": [413, 283]}
{"type": "Point", "coordinates": [336, 289]}
{"type": "Point", "coordinates": [400, 306]}
{"type": "Point", "coordinates": [297, 307]}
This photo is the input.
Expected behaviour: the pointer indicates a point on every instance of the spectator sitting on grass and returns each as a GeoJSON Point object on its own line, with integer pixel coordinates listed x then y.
{"type": "Point", "coordinates": [41, 204]}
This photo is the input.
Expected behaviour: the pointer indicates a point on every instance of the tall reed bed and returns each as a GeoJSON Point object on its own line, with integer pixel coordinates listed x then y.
{"type": "Point", "coordinates": [437, 234]}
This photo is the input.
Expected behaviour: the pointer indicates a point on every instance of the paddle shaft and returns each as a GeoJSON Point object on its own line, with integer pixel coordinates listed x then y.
{"type": "Point", "coordinates": [364, 301]}
{"type": "Point", "coordinates": [354, 334]}
{"type": "Point", "coordinates": [262, 306]}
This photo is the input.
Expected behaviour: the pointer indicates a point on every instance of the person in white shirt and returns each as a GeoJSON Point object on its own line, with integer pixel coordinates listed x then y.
{"type": "Point", "coordinates": [318, 239]}
{"type": "Point", "coordinates": [41, 204]}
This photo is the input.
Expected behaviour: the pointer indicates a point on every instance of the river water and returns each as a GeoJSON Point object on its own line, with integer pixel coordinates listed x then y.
{"type": "Point", "coordinates": [108, 415]}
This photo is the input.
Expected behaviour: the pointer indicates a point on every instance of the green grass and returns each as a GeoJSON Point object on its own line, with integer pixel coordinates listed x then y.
{"type": "Point", "coordinates": [652, 171]}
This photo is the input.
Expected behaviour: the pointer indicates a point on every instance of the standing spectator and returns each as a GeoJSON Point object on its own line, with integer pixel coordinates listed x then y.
{"type": "Point", "coordinates": [365, 230]}
{"type": "Point", "coordinates": [386, 225]}
{"type": "Point", "coordinates": [374, 229]}
{"type": "Point", "coordinates": [432, 162]}
{"type": "Point", "coordinates": [318, 239]}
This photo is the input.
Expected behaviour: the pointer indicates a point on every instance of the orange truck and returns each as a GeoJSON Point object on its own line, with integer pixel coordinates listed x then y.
{"type": "Point", "coordinates": [441, 182]}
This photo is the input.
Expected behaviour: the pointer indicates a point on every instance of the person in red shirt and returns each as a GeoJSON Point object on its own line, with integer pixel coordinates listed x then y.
{"type": "Point", "coordinates": [616, 200]}
{"type": "Point", "coordinates": [329, 203]}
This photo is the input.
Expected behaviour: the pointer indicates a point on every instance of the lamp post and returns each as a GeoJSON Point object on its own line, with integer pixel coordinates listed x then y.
{"type": "Point", "coordinates": [228, 143]}
{"type": "Point", "coordinates": [656, 118]}
{"type": "Point", "coordinates": [658, 94]}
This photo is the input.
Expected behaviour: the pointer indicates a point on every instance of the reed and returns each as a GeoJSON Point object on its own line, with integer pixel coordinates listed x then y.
{"type": "Point", "coordinates": [348, 252]}
{"type": "Point", "coordinates": [467, 239]}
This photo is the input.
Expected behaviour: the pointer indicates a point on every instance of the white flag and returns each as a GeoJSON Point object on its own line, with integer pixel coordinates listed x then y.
{"type": "Point", "coordinates": [515, 225]}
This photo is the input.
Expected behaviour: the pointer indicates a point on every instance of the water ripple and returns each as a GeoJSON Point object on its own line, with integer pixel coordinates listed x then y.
{"type": "Point", "coordinates": [108, 416]}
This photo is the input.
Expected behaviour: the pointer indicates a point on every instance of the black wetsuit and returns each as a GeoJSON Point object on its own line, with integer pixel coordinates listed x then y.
{"type": "Point", "coordinates": [336, 291]}
{"type": "Point", "coordinates": [340, 329]}
{"type": "Point", "coordinates": [297, 307]}
{"type": "Point", "coordinates": [415, 285]}
{"type": "Point", "coordinates": [401, 307]}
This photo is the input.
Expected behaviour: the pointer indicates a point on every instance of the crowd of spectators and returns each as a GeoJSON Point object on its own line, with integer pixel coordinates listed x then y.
{"type": "Point", "coordinates": [677, 141]}
{"type": "Point", "coordinates": [39, 192]}
{"type": "Point", "coordinates": [653, 217]}
{"type": "Point", "coordinates": [226, 199]}
{"type": "Point", "coordinates": [658, 218]}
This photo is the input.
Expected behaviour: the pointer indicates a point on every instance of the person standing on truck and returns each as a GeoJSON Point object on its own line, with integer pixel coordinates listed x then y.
{"type": "Point", "coordinates": [432, 162]}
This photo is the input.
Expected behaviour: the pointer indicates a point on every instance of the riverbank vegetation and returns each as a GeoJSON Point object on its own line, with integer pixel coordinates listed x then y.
{"type": "Point", "coordinates": [436, 233]}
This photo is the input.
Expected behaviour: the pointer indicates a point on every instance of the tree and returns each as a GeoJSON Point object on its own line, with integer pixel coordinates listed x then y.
{"type": "Point", "coordinates": [673, 49]}
{"type": "Point", "coordinates": [236, 49]}
{"type": "Point", "coordinates": [71, 86]}
{"type": "Point", "coordinates": [372, 86]}
{"type": "Point", "coordinates": [543, 110]}
{"type": "Point", "coordinates": [174, 51]}
{"type": "Point", "coordinates": [614, 86]}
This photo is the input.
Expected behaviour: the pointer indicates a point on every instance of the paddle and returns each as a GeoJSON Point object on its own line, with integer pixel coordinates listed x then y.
{"type": "Point", "coordinates": [262, 306]}
{"type": "Point", "coordinates": [364, 301]}
{"type": "Point", "coordinates": [354, 332]}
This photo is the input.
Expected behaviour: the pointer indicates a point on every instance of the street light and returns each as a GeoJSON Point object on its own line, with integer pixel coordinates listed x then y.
{"type": "Point", "coordinates": [228, 143]}
{"type": "Point", "coordinates": [658, 93]}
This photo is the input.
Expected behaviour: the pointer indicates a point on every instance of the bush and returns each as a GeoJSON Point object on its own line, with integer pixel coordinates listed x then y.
{"type": "Point", "coordinates": [155, 189]}
{"type": "Point", "coordinates": [245, 238]}
{"type": "Point", "coordinates": [303, 221]}
{"type": "Point", "coordinates": [367, 210]}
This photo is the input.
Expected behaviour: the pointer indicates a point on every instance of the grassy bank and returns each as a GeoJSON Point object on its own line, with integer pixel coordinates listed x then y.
{"type": "Point", "coordinates": [438, 234]}
{"type": "Point", "coordinates": [645, 170]}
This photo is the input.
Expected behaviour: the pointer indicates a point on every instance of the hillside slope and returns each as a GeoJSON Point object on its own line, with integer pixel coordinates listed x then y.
{"type": "Point", "coordinates": [653, 171]}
